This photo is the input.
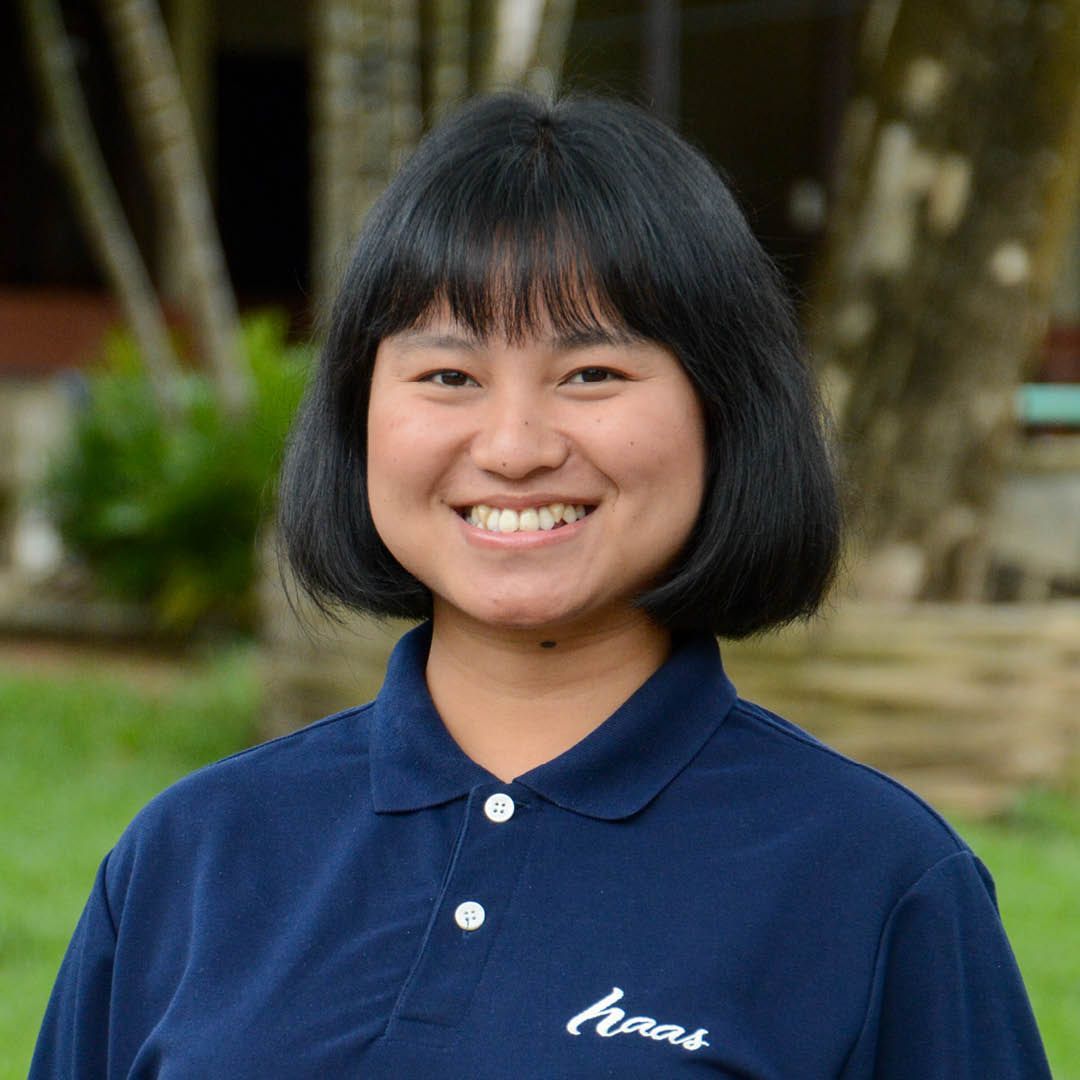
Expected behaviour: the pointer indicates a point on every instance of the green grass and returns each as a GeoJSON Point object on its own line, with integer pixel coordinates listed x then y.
{"type": "Point", "coordinates": [82, 752]}
{"type": "Point", "coordinates": [1034, 856]}
{"type": "Point", "coordinates": [81, 755]}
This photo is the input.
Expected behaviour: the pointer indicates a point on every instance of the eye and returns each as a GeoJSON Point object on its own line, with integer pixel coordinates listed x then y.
{"type": "Point", "coordinates": [594, 375]}
{"type": "Point", "coordinates": [449, 377]}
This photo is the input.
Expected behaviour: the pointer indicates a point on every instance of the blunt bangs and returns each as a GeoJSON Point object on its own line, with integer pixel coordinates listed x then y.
{"type": "Point", "coordinates": [540, 228]}
{"type": "Point", "coordinates": [521, 217]}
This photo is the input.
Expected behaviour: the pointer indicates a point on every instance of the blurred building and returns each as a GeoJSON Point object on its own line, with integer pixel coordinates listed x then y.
{"type": "Point", "coordinates": [759, 84]}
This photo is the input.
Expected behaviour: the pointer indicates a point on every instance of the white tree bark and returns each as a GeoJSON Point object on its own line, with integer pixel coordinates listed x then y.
{"type": "Point", "coordinates": [163, 123]}
{"type": "Point", "coordinates": [95, 195]}
{"type": "Point", "coordinates": [545, 69]}
{"type": "Point", "coordinates": [515, 32]}
{"type": "Point", "coordinates": [958, 174]}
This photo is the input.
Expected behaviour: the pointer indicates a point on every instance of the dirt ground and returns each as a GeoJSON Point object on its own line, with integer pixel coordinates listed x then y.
{"type": "Point", "coordinates": [156, 668]}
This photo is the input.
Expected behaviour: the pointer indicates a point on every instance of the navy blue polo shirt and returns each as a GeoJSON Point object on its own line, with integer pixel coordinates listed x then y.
{"type": "Point", "coordinates": [696, 888]}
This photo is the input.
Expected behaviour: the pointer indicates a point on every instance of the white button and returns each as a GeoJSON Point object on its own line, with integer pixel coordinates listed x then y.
{"type": "Point", "coordinates": [499, 807]}
{"type": "Point", "coordinates": [469, 916]}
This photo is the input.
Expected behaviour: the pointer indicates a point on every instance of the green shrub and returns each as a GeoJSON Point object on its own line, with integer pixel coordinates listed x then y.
{"type": "Point", "coordinates": [166, 514]}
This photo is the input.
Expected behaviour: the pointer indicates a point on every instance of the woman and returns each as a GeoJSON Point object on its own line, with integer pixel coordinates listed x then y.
{"type": "Point", "coordinates": [562, 417]}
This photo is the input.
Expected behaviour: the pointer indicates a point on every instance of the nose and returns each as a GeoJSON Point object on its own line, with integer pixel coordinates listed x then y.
{"type": "Point", "coordinates": [517, 437]}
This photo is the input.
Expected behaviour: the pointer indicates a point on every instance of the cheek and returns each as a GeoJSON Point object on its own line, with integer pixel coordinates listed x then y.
{"type": "Point", "coordinates": [688, 461]}
{"type": "Point", "coordinates": [384, 462]}
{"type": "Point", "coordinates": [666, 456]}
{"type": "Point", "coordinates": [400, 454]}
{"type": "Point", "coordinates": [397, 485]}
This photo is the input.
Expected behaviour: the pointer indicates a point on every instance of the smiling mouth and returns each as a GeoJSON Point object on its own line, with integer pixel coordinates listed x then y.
{"type": "Point", "coordinates": [541, 518]}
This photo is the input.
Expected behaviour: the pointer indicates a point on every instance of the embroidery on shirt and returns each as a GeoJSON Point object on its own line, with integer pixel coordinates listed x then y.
{"type": "Point", "coordinates": [612, 1021]}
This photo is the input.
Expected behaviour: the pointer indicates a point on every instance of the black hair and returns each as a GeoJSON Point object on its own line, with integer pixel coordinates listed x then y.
{"type": "Point", "coordinates": [580, 214]}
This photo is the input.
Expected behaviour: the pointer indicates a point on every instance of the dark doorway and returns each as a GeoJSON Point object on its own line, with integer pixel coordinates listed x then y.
{"type": "Point", "coordinates": [262, 176]}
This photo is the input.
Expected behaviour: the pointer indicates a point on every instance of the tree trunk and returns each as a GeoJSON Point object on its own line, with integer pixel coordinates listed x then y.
{"type": "Point", "coordinates": [338, 34]}
{"type": "Point", "coordinates": [372, 130]}
{"type": "Point", "coordinates": [958, 174]}
{"type": "Point", "coordinates": [351, 123]}
{"type": "Point", "coordinates": [449, 55]}
{"type": "Point", "coordinates": [545, 71]}
{"type": "Point", "coordinates": [192, 31]}
{"type": "Point", "coordinates": [403, 79]}
{"type": "Point", "coordinates": [515, 32]}
{"type": "Point", "coordinates": [367, 116]}
{"type": "Point", "coordinates": [96, 197]}
{"type": "Point", "coordinates": [163, 123]}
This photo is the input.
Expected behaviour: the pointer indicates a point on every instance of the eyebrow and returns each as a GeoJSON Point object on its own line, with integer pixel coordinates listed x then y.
{"type": "Point", "coordinates": [567, 341]}
{"type": "Point", "coordinates": [418, 339]}
{"type": "Point", "coordinates": [588, 337]}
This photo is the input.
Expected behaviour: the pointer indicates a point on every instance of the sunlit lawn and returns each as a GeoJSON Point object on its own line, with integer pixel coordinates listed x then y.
{"type": "Point", "coordinates": [1035, 860]}
{"type": "Point", "coordinates": [82, 752]}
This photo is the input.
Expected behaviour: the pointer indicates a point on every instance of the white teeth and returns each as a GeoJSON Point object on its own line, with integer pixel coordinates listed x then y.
{"type": "Point", "coordinates": [530, 519]}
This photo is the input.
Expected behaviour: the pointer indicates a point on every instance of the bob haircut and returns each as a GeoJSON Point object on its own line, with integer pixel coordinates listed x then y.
{"type": "Point", "coordinates": [520, 215]}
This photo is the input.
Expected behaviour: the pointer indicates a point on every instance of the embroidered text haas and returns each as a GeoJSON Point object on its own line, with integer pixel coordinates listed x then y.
{"type": "Point", "coordinates": [613, 1021]}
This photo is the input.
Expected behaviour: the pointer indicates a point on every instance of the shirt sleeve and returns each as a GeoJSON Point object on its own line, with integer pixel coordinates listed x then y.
{"type": "Point", "coordinates": [947, 999]}
{"type": "Point", "coordinates": [74, 1037]}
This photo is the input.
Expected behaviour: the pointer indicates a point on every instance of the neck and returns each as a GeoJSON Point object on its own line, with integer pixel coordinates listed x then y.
{"type": "Point", "coordinates": [513, 699]}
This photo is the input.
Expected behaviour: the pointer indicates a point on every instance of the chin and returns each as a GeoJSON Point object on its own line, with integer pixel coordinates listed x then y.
{"type": "Point", "coordinates": [524, 613]}
{"type": "Point", "coordinates": [523, 618]}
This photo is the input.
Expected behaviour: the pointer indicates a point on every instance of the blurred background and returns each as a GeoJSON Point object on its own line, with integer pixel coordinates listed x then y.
{"type": "Point", "coordinates": [182, 180]}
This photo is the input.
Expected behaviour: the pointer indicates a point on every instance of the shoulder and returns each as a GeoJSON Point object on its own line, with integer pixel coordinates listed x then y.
{"type": "Point", "coordinates": [325, 750]}
{"type": "Point", "coordinates": [318, 770]}
{"type": "Point", "coordinates": [835, 808]}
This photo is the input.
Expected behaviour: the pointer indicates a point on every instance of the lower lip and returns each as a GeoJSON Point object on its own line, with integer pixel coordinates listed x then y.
{"type": "Point", "coordinates": [516, 541]}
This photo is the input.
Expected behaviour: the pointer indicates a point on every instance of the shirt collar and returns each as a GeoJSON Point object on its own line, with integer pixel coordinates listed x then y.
{"type": "Point", "coordinates": [612, 773]}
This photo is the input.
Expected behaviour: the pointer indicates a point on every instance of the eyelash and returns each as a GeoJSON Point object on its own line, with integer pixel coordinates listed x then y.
{"type": "Point", "coordinates": [609, 376]}
{"type": "Point", "coordinates": [438, 377]}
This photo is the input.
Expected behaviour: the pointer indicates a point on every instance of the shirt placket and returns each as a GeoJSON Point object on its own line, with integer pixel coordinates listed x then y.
{"type": "Point", "coordinates": [475, 902]}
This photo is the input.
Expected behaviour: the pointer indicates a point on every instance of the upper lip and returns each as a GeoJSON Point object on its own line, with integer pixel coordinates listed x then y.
{"type": "Point", "coordinates": [524, 502]}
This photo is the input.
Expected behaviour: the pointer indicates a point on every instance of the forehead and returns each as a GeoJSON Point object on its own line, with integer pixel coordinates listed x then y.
{"type": "Point", "coordinates": [446, 332]}
{"type": "Point", "coordinates": [512, 287]}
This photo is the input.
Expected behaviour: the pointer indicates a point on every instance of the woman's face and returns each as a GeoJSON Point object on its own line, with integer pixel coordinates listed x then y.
{"type": "Point", "coordinates": [478, 451]}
